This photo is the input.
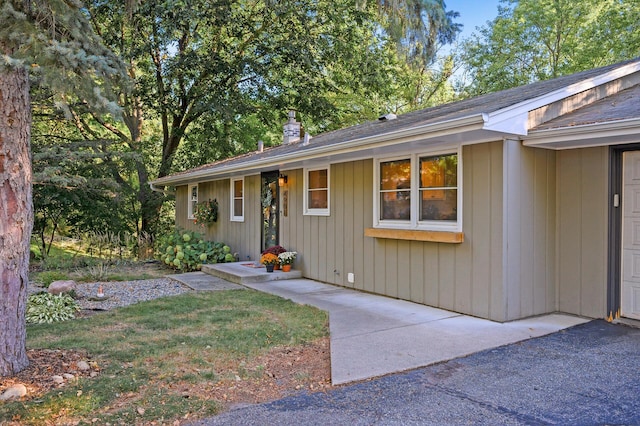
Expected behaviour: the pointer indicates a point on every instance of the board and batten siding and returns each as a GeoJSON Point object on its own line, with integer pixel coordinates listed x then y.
{"type": "Point", "coordinates": [242, 237]}
{"type": "Point", "coordinates": [466, 277]}
{"type": "Point", "coordinates": [582, 196]}
{"type": "Point", "coordinates": [530, 229]}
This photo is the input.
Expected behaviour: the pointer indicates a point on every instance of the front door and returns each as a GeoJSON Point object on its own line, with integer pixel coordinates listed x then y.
{"type": "Point", "coordinates": [630, 289]}
{"type": "Point", "coordinates": [270, 208]}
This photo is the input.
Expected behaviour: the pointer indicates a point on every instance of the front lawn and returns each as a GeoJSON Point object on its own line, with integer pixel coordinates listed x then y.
{"type": "Point", "coordinates": [175, 358]}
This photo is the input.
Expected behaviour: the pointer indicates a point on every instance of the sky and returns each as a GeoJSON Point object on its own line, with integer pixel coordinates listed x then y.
{"type": "Point", "coordinates": [473, 13]}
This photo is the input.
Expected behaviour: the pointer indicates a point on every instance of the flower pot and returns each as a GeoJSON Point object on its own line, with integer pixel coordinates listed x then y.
{"type": "Point", "coordinates": [276, 266]}
{"type": "Point", "coordinates": [286, 268]}
{"type": "Point", "coordinates": [270, 268]}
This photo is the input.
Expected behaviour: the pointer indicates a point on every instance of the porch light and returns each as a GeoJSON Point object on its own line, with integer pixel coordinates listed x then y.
{"type": "Point", "coordinates": [282, 180]}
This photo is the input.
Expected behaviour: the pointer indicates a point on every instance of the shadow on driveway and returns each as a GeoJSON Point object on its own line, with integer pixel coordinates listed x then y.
{"type": "Point", "coordinates": [584, 375]}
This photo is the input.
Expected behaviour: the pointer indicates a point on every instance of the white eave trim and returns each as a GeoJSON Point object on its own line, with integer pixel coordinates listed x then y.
{"type": "Point", "coordinates": [583, 135]}
{"type": "Point", "coordinates": [513, 119]}
{"type": "Point", "coordinates": [442, 128]}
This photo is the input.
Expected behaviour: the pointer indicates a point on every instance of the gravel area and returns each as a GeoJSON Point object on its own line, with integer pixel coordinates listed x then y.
{"type": "Point", "coordinates": [122, 293]}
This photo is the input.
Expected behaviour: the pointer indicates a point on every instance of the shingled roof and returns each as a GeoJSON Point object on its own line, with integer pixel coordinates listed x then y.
{"type": "Point", "coordinates": [485, 106]}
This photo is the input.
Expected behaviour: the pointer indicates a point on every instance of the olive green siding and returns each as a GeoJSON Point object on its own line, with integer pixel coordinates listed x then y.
{"type": "Point", "coordinates": [463, 277]}
{"type": "Point", "coordinates": [534, 224]}
{"type": "Point", "coordinates": [530, 218]}
{"type": "Point", "coordinates": [582, 231]}
{"type": "Point", "coordinates": [242, 237]}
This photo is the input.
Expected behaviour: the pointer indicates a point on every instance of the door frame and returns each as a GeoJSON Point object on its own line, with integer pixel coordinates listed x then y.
{"type": "Point", "coordinates": [614, 273]}
{"type": "Point", "coordinates": [267, 175]}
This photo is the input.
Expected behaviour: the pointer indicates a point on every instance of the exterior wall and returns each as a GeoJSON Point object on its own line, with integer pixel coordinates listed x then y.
{"type": "Point", "coordinates": [465, 277]}
{"type": "Point", "coordinates": [242, 237]}
{"type": "Point", "coordinates": [582, 231]}
{"type": "Point", "coordinates": [530, 219]}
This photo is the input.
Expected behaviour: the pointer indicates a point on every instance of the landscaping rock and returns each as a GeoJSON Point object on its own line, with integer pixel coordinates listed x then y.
{"type": "Point", "coordinates": [62, 286]}
{"type": "Point", "coordinates": [14, 392]}
{"type": "Point", "coordinates": [68, 376]}
{"type": "Point", "coordinates": [83, 365]}
{"type": "Point", "coordinates": [57, 379]}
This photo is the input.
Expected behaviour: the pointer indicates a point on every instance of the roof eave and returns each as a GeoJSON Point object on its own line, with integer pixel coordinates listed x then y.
{"type": "Point", "coordinates": [586, 135]}
{"type": "Point", "coordinates": [513, 119]}
{"type": "Point", "coordinates": [468, 123]}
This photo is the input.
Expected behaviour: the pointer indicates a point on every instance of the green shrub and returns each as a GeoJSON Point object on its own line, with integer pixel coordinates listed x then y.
{"type": "Point", "coordinates": [187, 251]}
{"type": "Point", "coordinates": [47, 308]}
{"type": "Point", "coordinates": [47, 277]}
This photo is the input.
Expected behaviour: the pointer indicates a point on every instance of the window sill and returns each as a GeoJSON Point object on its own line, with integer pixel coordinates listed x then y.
{"type": "Point", "coordinates": [405, 234]}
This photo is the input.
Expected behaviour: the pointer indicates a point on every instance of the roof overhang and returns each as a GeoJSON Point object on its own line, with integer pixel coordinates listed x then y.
{"type": "Point", "coordinates": [586, 135]}
{"type": "Point", "coordinates": [514, 119]}
{"type": "Point", "coordinates": [428, 134]}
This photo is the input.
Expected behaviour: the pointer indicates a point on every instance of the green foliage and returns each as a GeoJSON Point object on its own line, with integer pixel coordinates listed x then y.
{"type": "Point", "coordinates": [534, 40]}
{"type": "Point", "coordinates": [45, 308]}
{"type": "Point", "coordinates": [47, 277]}
{"type": "Point", "coordinates": [206, 212]}
{"type": "Point", "coordinates": [54, 39]}
{"type": "Point", "coordinates": [187, 251]}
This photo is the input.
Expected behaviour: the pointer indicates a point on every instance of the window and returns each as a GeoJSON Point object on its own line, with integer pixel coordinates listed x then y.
{"type": "Point", "coordinates": [193, 201]}
{"type": "Point", "coordinates": [237, 200]}
{"type": "Point", "coordinates": [316, 188]}
{"type": "Point", "coordinates": [439, 188]}
{"type": "Point", "coordinates": [419, 192]}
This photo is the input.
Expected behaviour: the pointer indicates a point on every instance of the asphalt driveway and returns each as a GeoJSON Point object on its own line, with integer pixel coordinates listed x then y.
{"type": "Point", "coordinates": [584, 375]}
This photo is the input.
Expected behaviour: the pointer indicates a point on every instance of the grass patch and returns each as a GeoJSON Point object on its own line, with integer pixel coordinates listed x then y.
{"type": "Point", "coordinates": [144, 350]}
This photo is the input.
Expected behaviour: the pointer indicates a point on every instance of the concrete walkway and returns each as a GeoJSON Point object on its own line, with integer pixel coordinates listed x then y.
{"type": "Point", "coordinates": [373, 335]}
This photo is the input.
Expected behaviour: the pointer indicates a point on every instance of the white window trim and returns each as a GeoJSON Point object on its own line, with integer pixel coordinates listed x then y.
{"type": "Point", "coordinates": [414, 223]}
{"type": "Point", "coordinates": [310, 211]}
{"type": "Point", "coordinates": [232, 197]}
{"type": "Point", "coordinates": [190, 200]}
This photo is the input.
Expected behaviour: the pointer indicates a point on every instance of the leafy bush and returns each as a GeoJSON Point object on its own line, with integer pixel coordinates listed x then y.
{"type": "Point", "coordinates": [187, 251]}
{"type": "Point", "coordinates": [47, 308]}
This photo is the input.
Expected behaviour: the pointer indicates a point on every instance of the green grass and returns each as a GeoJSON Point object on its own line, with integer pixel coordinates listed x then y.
{"type": "Point", "coordinates": [144, 349]}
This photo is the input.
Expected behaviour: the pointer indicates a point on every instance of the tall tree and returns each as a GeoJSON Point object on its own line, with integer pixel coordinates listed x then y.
{"type": "Point", "coordinates": [52, 40]}
{"type": "Point", "coordinates": [205, 70]}
{"type": "Point", "coordinates": [533, 40]}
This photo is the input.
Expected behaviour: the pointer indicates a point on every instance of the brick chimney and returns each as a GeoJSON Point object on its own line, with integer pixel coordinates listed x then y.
{"type": "Point", "coordinates": [292, 129]}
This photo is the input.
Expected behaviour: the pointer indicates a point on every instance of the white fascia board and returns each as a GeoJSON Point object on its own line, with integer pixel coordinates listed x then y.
{"type": "Point", "coordinates": [442, 128]}
{"type": "Point", "coordinates": [513, 119]}
{"type": "Point", "coordinates": [581, 135]}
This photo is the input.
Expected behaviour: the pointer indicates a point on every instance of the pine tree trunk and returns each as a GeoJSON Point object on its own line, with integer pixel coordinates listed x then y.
{"type": "Point", "coordinates": [16, 216]}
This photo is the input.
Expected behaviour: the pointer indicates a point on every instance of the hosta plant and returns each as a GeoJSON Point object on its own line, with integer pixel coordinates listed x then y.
{"type": "Point", "coordinates": [47, 308]}
{"type": "Point", "coordinates": [187, 251]}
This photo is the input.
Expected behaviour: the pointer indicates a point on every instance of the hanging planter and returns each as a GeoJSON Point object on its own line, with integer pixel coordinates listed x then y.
{"type": "Point", "coordinates": [206, 213]}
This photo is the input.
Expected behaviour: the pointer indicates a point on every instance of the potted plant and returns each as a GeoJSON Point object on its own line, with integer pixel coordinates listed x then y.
{"type": "Point", "coordinates": [269, 260]}
{"type": "Point", "coordinates": [275, 250]}
{"type": "Point", "coordinates": [286, 260]}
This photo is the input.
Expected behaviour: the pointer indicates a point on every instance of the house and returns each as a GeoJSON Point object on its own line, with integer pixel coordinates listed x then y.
{"type": "Point", "coordinates": [507, 205]}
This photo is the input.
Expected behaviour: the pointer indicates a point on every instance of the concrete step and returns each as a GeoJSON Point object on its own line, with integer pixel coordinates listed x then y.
{"type": "Point", "coordinates": [247, 273]}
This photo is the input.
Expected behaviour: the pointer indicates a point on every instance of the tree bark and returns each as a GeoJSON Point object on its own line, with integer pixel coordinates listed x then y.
{"type": "Point", "coordinates": [16, 216]}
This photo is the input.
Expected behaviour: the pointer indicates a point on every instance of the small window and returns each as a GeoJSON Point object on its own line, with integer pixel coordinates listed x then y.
{"type": "Point", "coordinates": [193, 201]}
{"type": "Point", "coordinates": [237, 200]}
{"type": "Point", "coordinates": [395, 190]}
{"type": "Point", "coordinates": [418, 192]}
{"type": "Point", "coordinates": [317, 194]}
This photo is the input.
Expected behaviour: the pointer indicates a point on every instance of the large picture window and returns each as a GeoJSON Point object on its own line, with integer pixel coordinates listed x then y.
{"type": "Point", "coordinates": [237, 200]}
{"type": "Point", "coordinates": [419, 191]}
{"type": "Point", "coordinates": [193, 201]}
{"type": "Point", "coordinates": [317, 193]}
